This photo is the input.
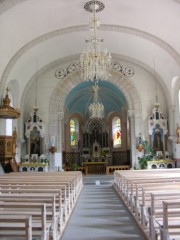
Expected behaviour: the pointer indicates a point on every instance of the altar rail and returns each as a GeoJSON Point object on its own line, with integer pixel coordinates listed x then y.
{"type": "Point", "coordinates": [148, 194]}
{"type": "Point", "coordinates": [111, 169]}
{"type": "Point", "coordinates": [88, 169]}
{"type": "Point", "coordinates": [83, 169]}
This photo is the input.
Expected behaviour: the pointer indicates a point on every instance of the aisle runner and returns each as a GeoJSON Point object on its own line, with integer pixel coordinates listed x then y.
{"type": "Point", "coordinates": [101, 215]}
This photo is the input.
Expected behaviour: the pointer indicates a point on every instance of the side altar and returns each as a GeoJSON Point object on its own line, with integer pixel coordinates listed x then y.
{"type": "Point", "coordinates": [35, 159]}
{"type": "Point", "coordinates": [34, 163]}
{"type": "Point", "coordinates": [33, 167]}
{"type": "Point", "coordinates": [159, 164]}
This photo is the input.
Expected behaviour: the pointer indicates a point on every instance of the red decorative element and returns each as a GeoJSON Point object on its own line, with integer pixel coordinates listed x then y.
{"type": "Point", "coordinates": [118, 134]}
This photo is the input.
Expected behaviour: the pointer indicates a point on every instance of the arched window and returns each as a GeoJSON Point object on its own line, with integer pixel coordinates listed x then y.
{"type": "Point", "coordinates": [9, 121]}
{"type": "Point", "coordinates": [116, 131]}
{"type": "Point", "coordinates": [74, 132]}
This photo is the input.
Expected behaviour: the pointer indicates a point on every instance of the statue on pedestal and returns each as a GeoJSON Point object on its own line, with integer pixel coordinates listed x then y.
{"type": "Point", "coordinates": [178, 134]}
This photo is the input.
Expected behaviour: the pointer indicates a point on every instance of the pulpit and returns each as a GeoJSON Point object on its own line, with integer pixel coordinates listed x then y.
{"type": "Point", "coordinates": [6, 148]}
{"type": "Point", "coordinates": [8, 152]}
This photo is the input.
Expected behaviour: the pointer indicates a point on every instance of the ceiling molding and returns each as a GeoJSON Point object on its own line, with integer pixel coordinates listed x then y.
{"type": "Point", "coordinates": [5, 5]}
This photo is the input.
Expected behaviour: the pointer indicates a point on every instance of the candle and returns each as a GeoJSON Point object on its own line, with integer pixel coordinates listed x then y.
{"type": "Point", "coordinates": [53, 141]}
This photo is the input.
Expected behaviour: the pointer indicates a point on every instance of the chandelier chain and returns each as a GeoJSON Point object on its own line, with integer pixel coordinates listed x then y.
{"type": "Point", "coordinates": [95, 62]}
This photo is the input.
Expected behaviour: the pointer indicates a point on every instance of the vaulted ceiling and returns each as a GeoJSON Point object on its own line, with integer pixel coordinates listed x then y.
{"type": "Point", "coordinates": [81, 96]}
{"type": "Point", "coordinates": [55, 30]}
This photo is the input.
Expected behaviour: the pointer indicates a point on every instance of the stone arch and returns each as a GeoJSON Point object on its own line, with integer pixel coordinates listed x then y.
{"type": "Point", "coordinates": [61, 91]}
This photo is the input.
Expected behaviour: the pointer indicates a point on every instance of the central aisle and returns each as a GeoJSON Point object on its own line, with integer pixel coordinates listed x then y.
{"type": "Point", "coordinates": [101, 215]}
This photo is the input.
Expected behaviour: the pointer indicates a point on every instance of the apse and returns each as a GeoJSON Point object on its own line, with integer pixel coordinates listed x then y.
{"type": "Point", "coordinates": [80, 97]}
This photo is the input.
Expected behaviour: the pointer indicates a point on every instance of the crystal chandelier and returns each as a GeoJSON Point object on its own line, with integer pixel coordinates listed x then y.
{"type": "Point", "coordinates": [96, 108]}
{"type": "Point", "coordinates": [95, 63]}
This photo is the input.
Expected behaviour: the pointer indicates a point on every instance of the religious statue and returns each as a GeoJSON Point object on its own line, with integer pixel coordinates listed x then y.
{"type": "Point", "coordinates": [35, 142]}
{"type": "Point", "coordinates": [139, 146]}
{"type": "Point", "coordinates": [178, 134]}
{"type": "Point", "coordinates": [157, 143]}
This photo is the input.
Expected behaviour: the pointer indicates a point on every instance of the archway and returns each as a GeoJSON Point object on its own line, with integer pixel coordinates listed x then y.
{"type": "Point", "coordinates": [128, 96]}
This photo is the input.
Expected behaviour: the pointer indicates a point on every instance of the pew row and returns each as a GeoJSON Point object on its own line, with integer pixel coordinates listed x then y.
{"type": "Point", "coordinates": [144, 192]}
{"type": "Point", "coordinates": [56, 194]}
{"type": "Point", "coordinates": [21, 225]}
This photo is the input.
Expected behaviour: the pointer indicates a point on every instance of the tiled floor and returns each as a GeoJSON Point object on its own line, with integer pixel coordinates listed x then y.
{"type": "Point", "coordinates": [101, 215]}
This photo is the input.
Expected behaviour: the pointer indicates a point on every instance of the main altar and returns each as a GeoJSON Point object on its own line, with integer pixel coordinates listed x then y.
{"type": "Point", "coordinates": [95, 152]}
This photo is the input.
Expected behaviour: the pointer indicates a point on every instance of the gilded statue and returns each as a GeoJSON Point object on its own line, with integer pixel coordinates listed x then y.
{"type": "Point", "coordinates": [178, 134]}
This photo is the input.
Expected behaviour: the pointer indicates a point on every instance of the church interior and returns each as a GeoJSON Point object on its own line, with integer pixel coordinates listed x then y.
{"type": "Point", "coordinates": [90, 88]}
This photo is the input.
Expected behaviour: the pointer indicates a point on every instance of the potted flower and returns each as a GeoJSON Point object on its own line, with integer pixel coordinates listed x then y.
{"type": "Point", "coordinates": [74, 166]}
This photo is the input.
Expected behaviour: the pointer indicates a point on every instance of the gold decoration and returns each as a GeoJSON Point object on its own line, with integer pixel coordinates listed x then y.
{"type": "Point", "coordinates": [52, 149]}
{"type": "Point", "coordinates": [178, 135]}
{"type": "Point", "coordinates": [6, 111]}
{"type": "Point", "coordinates": [140, 147]}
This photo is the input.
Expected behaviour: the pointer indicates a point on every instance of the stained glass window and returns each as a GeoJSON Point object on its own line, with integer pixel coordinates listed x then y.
{"type": "Point", "coordinates": [74, 132]}
{"type": "Point", "coordinates": [116, 131]}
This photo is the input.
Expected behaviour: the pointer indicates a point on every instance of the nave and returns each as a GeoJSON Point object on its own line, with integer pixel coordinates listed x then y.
{"type": "Point", "coordinates": [100, 214]}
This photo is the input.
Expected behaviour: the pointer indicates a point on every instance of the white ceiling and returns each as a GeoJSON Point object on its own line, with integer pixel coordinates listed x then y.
{"type": "Point", "coordinates": [51, 30]}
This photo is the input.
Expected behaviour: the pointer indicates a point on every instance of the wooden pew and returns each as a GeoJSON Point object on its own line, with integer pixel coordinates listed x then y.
{"type": "Point", "coordinates": [156, 210]}
{"type": "Point", "coordinates": [18, 184]}
{"type": "Point", "coordinates": [135, 188]}
{"type": "Point", "coordinates": [68, 191]}
{"type": "Point", "coordinates": [170, 229]}
{"type": "Point", "coordinates": [15, 226]}
{"type": "Point", "coordinates": [54, 208]}
{"type": "Point", "coordinates": [42, 187]}
{"type": "Point", "coordinates": [75, 178]}
{"type": "Point", "coordinates": [40, 227]}
{"type": "Point", "coordinates": [142, 197]}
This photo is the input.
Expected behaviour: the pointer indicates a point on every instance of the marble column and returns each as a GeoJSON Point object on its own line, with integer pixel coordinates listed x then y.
{"type": "Point", "coordinates": [133, 138]}
{"type": "Point", "coordinates": [60, 131]}
{"type": "Point", "coordinates": [172, 125]}
{"type": "Point", "coordinates": [172, 134]}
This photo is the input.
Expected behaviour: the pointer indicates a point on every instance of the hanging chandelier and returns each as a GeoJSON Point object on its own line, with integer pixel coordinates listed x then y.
{"type": "Point", "coordinates": [157, 105]}
{"type": "Point", "coordinates": [95, 63]}
{"type": "Point", "coordinates": [35, 108]}
{"type": "Point", "coordinates": [96, 108]}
